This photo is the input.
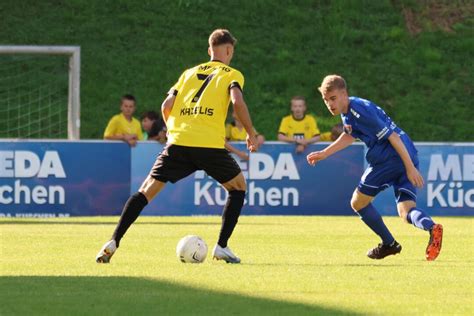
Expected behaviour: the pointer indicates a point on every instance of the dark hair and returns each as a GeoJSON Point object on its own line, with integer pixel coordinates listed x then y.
{"type": "Point", "coordinates": [151, 115]}
{"type": "Point", "coordinates": [221, 36]}
{"type": "Point", "coordinates": [336, 130]}
{"type": "Point", "coordinates": [128, 97]}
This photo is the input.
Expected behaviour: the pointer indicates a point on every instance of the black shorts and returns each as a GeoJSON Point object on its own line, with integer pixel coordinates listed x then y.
{"type": "Point", "coordinates": [177, 162]}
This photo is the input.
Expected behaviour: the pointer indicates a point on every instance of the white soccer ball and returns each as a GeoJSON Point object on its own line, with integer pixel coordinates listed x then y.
{"type": "Point", "coordinates": [191, 249]}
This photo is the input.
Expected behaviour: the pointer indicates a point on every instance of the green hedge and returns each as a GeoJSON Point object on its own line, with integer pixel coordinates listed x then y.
{"type": "Point", "coordinates": [424, 82]}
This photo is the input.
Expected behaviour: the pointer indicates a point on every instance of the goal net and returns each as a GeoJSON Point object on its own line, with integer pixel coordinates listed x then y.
{"type": "Point", "coordinates": [39, 92]}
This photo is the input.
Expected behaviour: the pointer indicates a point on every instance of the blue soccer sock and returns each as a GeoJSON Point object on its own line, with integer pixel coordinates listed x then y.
{"type": "Point", "coordinates": [419, 219]}
{"type": "Point", "coordinates": [372, 218]}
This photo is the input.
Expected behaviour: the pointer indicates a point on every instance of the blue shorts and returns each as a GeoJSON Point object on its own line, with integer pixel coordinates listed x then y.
{"type": "Point", "coordinates": [392, 173]}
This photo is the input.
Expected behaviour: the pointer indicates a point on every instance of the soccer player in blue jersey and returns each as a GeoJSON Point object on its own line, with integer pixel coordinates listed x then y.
{"type": "Point", "coordinates": [392, 159]}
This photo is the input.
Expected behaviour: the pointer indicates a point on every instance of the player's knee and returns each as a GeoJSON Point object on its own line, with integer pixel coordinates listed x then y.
{"type": "Point", "coordinates": [236, 184]}
{"type": "Point", "coordinates": [403, 213]}
{"type": "Point", "coordinates": [239, 186]}
{"type": "Point", "coordinates": [356, 203]}
{"type": "Point", "coordinates": [360, 200]}
{"type": "Point", "coordinates": [404, 205]}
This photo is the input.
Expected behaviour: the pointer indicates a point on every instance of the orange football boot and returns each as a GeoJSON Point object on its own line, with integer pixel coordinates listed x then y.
{"type": "Point", "coordinates": [434, 245]}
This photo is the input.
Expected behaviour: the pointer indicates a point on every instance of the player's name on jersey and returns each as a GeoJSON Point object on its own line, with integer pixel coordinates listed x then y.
{"type": "Point", "coordinates": [197, 110]}
{"type": "Point", "coordinates": [207, 67]}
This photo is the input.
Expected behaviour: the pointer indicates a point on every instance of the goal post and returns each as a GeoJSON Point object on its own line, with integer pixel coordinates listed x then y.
{"type": "Point", "coordinates": [74, 53]}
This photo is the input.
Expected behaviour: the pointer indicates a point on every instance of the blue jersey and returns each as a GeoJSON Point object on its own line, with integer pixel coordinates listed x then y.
{"type": "Point", "coordinates": [369, 123]}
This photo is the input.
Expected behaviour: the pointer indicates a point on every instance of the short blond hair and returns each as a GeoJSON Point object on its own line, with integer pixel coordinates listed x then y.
{"type": "Point", "coordinates": [221, 36]}
{"type": "Point", "coordinates": [298, 98]}
{"type": "Point", "coordinates": [332, 82]}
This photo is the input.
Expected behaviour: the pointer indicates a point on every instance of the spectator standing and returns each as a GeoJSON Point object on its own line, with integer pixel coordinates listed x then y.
{"type": "Point", "coordinates": [298, 127]}
{"type": "Point", "coordinates": [124, 126]}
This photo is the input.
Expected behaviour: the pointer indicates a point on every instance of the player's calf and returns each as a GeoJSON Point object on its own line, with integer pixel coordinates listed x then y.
{"type": "Point", "coordinates": [230, 216]}
{"type": "Point", "coordinates": [360, 200]}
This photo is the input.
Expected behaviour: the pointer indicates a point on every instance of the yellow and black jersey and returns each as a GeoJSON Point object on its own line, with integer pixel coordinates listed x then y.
{"type": "Point", "coordinates": [326, 137]}
{"type": "Point", "coordinates": [304, 128]}
{"type": "Point", "coordinates": [119, 125]}
{"type": "Point", "coordinates": [202, 98]}
{"type": "Point", "coordinates": [234, 133]}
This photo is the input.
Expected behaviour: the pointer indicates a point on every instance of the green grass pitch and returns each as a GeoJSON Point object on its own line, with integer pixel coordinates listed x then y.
{"type": "Point", "coordinates": [290, 266]}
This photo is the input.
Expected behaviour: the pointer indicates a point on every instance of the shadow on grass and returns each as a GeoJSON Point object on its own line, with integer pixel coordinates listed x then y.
{"type": "Point", "coordinates": [87, 295]}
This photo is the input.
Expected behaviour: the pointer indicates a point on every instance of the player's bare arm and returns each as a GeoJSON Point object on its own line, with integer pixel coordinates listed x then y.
{"type": "Point", "coordinates": [412, 173]}
{"type": "Point", "coordinates": [166, 106]}
{"type": "Point", "coordinates": [241, 109]}
{"type": "Point", "coordinates": [342, 142]}
{"type": "Point", "coordinates": [242, 155]}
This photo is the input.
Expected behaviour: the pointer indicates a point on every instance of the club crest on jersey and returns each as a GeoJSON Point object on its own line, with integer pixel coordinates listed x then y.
{"type": "Point", "coordinates": [348, 129]}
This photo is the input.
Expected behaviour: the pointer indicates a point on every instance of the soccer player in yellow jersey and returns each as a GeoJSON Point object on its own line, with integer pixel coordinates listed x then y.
{"type": "Point", "coordinates": [194, 112]}
{"type": "Point", "coordinates": [299, 128]}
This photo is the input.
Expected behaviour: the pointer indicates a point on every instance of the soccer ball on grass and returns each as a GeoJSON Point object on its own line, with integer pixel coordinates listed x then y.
{"type": "Point", "coordinates": [191, 249]}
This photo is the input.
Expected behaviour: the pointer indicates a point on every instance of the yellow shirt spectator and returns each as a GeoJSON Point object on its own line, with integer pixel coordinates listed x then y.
{"type": "Point", "coordinates": [331, 136]}
{"type": "Point", "coordinates": [235, 133]}
{"type": "Point", "coordinates": [326, 137]}
{"type": "Point", "coordinates": [119, 125]}
{"type": "Point", "coordinates": [304, 128]}
{"type": "Point", "coordinates": [299, 128]}
{"type": "Point", "coordinates": [124, 126]}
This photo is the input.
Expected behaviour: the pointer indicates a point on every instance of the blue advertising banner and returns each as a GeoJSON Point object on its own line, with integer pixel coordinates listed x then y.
{"type": "Point", "coordinates": [55, 178]}
{"type": "Point", "coordinates": [448, 170]}
{"type": "Point", "coordinates": [279, 182]}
